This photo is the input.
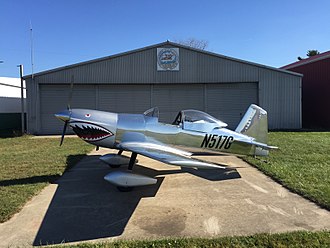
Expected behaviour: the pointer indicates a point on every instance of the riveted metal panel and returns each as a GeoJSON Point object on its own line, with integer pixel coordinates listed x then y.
{"type": "Point", "coordinates": [228, 102]}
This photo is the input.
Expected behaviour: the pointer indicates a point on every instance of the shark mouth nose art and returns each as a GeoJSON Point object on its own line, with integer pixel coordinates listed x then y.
{"type": "Point", "coordinates": [90, 132]}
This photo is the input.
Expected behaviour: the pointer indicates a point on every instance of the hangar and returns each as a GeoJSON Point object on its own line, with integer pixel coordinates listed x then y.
{"type": "Point", "coordinates": [170, 76]}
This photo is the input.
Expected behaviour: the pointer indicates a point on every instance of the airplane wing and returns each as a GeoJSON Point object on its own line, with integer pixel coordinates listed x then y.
{"type": "Point", "coordinates": [167, 154]}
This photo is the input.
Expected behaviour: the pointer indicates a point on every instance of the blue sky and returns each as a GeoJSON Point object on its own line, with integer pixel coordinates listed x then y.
{"type": "Point", "coordinates": [273, 33]}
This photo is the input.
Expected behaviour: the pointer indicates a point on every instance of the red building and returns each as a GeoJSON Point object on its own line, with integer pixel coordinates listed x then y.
{"type": "Point", "coordinates": [315, 90]}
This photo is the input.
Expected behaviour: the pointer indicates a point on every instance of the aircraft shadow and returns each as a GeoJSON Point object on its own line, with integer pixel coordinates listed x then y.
{"type": "Point", "coordinates": [86, 207]}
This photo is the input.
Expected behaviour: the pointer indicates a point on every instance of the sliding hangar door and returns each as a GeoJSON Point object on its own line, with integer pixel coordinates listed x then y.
{"type": "Point", "coordinates": [225, 101]}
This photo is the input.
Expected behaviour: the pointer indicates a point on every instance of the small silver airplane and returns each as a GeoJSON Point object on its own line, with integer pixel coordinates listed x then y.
{"type": "Point", "coordinates": [191, 132]}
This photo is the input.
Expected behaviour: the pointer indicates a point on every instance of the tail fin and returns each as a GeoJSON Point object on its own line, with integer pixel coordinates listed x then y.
{"type": "Point", "coordinates": [254, 124]}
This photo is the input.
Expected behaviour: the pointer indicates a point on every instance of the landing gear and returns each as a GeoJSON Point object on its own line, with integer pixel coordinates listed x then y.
{"type": "Point", "coordinates": [132, 161]}
{"type": "Point", "coordinates": [116, 160]}
{"type": "Point", "coordinates": [125, 181]}
{"type": "Point", "coordinates": [114, 166]}
{"type": "Point", "coordinates": [130, 168]}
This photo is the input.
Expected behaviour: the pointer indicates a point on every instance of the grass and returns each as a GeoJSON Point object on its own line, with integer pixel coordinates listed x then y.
{"type": "Point", "coordinates": [28, 165]}
{"type": "Point", "coordinates": [302, 164]}
{"type": "Point", "coordinates": [293, 239]}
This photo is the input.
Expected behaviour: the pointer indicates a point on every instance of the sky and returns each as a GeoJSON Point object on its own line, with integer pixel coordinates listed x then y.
{"type": "Point", "coordinates": [65, 32]}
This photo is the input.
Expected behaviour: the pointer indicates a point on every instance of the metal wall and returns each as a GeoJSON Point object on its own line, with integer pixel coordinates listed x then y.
{"type": "Point", "coordinates": [141, 68]}
{"type": "Point", "coordinates": [278, 91]}
{"type": "Point", "coordinates": [315, 93]}
{"type": "Point", "coordinates": [280, 95]}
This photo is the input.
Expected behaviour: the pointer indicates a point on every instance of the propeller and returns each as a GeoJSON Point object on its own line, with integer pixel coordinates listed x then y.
{"type": "Point", "coordinates": [66, 117]}
{"type": "Point", "coordinates": [63, 133]}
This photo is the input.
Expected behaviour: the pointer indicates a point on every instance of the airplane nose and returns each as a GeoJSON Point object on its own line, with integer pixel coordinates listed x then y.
{"type": "Point", "coordinates": [63, 115]}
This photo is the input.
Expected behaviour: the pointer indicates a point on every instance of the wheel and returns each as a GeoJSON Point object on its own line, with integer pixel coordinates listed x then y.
{"type": "Point", "coordinates": [124, 189]}
{"type": "Point", "coordinates": [114, 165]}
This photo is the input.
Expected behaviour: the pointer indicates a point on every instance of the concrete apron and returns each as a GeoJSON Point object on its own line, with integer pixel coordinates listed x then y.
{"type": "Point", "coordinates": [184, 203]}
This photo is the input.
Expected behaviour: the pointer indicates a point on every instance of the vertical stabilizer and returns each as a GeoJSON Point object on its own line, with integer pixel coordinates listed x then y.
{"type": "Point", "coordinates": [254, 124]}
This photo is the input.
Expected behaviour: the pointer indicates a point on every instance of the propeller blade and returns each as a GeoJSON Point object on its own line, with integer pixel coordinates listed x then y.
{"type": "Point", "coordinates": [63, 133]}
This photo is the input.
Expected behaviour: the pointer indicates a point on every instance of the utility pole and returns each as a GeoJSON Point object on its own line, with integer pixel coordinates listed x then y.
{"type": "Point", "coordinates": [22, 98]}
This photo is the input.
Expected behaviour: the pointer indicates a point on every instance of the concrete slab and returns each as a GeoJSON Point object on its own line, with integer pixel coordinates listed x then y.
{"type": "Point", "coordinates": [84, 207]}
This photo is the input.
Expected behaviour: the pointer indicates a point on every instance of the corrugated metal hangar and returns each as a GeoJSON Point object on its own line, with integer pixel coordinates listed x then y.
{"type": "Point", "coordinates": [170, 76]}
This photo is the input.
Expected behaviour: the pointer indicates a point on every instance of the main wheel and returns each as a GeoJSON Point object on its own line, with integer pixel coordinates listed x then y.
{"type": "Point", "coordinates": [124, 189]}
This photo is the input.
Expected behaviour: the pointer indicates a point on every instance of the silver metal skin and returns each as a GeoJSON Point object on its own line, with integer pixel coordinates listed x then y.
{"type": "Point", "coordinates": [191, 132]}
{"type": "Point", "coordinates": [129, 179]}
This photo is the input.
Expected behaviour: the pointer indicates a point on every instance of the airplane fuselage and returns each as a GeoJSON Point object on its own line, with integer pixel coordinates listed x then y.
{"type": "Point", "coordinates": [108, 130]}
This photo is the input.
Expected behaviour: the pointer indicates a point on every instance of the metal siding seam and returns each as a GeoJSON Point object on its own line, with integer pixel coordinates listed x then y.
{"type": "Point", "coordinates": [37, 109]}
{"type": "Point", "coordinates": [205, 96]}
{"type": "Point", "coordinates": [152, 96]}
{"type": "Point", "coordinates": [96, 96]}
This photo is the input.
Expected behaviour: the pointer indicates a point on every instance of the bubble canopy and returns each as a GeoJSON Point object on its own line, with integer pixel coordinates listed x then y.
{"type": "Point", "coordinates": [196, 116]}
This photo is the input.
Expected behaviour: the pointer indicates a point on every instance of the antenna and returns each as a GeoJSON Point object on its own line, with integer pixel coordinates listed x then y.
{"type": "Point", "coordinates": [31, 43]}
{"type": "Point", "coordinates": [71, 93]}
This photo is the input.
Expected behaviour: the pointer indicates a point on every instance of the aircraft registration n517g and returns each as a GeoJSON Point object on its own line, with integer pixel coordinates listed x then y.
{"type": "Point", "coordinates": [191, 132]}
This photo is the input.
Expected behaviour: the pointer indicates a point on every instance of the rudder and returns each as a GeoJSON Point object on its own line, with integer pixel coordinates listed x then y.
{"type": "Point", "coordinates": [254, 124]}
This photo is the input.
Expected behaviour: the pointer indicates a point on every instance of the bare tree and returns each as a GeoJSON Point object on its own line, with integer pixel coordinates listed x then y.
{"type": "Point", "coordinates": [194, 43]}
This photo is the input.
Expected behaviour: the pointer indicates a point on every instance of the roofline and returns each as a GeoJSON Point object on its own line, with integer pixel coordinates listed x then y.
{"type": "Point", "coordinates": [308, 61]}
{"type": "Point", "coordinates": [155, 46]}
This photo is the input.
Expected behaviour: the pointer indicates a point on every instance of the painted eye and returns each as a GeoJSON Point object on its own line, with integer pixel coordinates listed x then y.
{"type": "Point", "coordinates": [87, 115]}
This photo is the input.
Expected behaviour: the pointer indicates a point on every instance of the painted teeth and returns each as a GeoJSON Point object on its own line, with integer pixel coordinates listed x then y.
{"type": "Point", "coordinates": [90, 132]}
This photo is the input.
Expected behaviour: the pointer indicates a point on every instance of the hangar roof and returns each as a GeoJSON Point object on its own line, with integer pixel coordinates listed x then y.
{"type": "Point", "coordinates": [160, 45]}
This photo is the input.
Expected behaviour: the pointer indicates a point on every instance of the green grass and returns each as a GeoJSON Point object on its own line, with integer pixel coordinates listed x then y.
{"type": "Point", "coordinates": [293, 239]}
{"type": "Point", "coordinates": [28, 165]}
{"type": "Point", "coordinates": [302, 164]}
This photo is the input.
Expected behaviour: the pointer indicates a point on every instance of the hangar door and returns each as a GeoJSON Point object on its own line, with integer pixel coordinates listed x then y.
{"type": "Point", "coordinates": [171, 98]}
{"type": "Point", "coordinates": [225, 101]}
{"type": "Point", "coordinates": [54, 98]}
{"type": "Point", "coordinates": [229, 102]}
{"type": "Point", "coordinates": [124, 98]}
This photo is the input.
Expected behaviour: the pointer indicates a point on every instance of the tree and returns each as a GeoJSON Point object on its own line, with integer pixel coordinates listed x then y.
{"type": "Point", "coordinates": [194, 43]}
{"type": "Point", "coordinates": [311, 53]}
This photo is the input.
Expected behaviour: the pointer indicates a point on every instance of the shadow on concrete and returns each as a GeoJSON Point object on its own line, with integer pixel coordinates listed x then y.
{"type": "Point", "coordinates": [86, 207]}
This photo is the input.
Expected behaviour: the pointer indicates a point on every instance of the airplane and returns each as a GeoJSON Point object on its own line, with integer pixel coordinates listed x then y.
{"type": "Point", "coordinates": [175, 144]}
